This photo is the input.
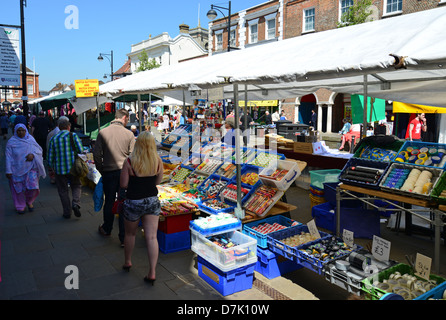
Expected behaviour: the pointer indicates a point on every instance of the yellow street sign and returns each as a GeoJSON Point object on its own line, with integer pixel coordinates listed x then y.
{"type": "Point", "coordinates": [86, 88]}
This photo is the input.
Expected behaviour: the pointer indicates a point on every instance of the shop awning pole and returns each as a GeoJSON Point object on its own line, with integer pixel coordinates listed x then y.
{"type": "Point", "coordinates": [149, 123]}
{"type": "Point", "coordinates": [245, 116]}
{"type": "Point", "coordinates": [364, 125]}
{"type": "Point", "coordinates": [238, 211]}
{"type": "Point", "coordinates": [139, 112]}
{"type": "Point", "coordinates": [98, 114]}
{"type": "Point", "coordinates": [184, 106]}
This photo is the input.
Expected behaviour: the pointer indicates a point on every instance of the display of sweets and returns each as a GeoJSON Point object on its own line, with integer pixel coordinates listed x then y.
{"type": "Point", "coordinates": [378, 154]}
{"type": "Point", "coordinates": [277, 174]}
{"type": "Point", "coordinates": [406, 285]}
{"type": "Point", "coordinates": [222, 241]}
{"type": "Point", "coordinates": [170, 139]}
{"type": "Point", "coordinates": [265, 228]}
{"type": "Point", "coordinates": [193, 194]}
{"type": "Point", "coordinates": [193, 162]}
{"type": "Point", "coordinates": [180, 174]}
{"type": "Point", "coordinates": [427, 156]}
{"type": "Point", "coordinates": [261, 200]}
{"type": "Point", "coordinates": [250, 178]}
{"type": "Point", "coordinates": [209, 166]}
{"type": "Point", "coordinates": [230, 192]}
{"type": "Point", "coordinates": [216, 204]}
{"type": "Point", "coordinates": [410, 180]}
{"type": "Point", "coordinates": [245, 157]}
{"type": "Point", "coordinates": [195, 180]}
{"type": "Point", "coordinates": [212, 187]}
{"type": "Point", "coordinates": [216, 220]}
{"type": "Point", "coordinates": [173, 207]}
{"type": "Point", "coordinates": [298, 239]}
{"type": "Point", "coordinates": [328, 249]}
{"type": "Point", "coordinates": [182, 142]}
{"type": "Point", "coordinates": [180, 188]}
{"type": "Point", "coordinates": [263, 159]}
{"type": "Point", "coordinates": [227, 170]}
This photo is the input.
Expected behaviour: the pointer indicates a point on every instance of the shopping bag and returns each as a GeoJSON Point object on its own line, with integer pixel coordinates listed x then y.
{"type": "Point", "coordinates": [98, 196]}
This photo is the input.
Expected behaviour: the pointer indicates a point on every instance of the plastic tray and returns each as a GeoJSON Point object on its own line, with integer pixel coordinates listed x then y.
{"type": "Point", "coordinates": [438, 188]}
{"type": "Point", "coordinates": [244, 253]}
{"type": "Point", "coordinates": [436, 172]}
{"type": "Point", "coordinates": [262, 242]}
{"type": "Point", "coordinates": [286, 181]}
{"type": "Point", "coordinates": [318, 177]}
{"type": "Point", "coordinates": [251, 190]}
{"type": "Point", "coordinates": [264, 159]}
{"type": "Point", "coordinates": [371, 151]}
{"type": "Point", "coordinates": [246, 156]}
{"type": "Point", "coordinates": [193, 161]}
{"type": "Point", "coordinates": [375, 293]}
{"type": "Point", "coordinates": [418, 145]}
{"type": "Point", "coordinates": [365, 163]}
{"type": "Point", "coordinates": [204, 186]}
{"type": "Point", "coordinates": [246, 168]}
{"type": "Point", "coordinates": [275, 239]}
{"type": "Point", "coordinates": [227, 224]}
{"type": "Point", "coordinates": [275, 198]}
{"type": "Point", "coordinates": [203, 207]}
{"type": "Point", "coordinates": [174, 242]}
{"type": "Point", "coordinates": [174, 175]}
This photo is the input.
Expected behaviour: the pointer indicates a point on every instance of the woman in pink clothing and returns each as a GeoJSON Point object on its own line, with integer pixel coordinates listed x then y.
{"type": "Point", "coordinates": [24, 167]}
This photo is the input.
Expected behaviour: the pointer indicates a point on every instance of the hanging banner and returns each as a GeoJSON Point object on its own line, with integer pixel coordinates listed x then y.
{"type": "Point", "coordinates": [401, 107]}
{"type": "Point", "coordinates": [376, 109]}
{"type": "Point", "coordinates": [9, 57]}
{"type": "Point", "coordinates": [259, 103]}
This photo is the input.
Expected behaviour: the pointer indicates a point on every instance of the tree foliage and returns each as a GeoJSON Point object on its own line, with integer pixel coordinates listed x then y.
{"type": "Point", "coordinates": [357, 13]}
{"type": "Point", "coordinates": [145, 63]}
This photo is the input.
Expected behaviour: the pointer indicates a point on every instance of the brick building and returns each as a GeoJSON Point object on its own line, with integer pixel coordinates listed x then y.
{"type": "Point", "coordinates": [14, 96]}
{"type": "Point", "coordinates": [276, 20]}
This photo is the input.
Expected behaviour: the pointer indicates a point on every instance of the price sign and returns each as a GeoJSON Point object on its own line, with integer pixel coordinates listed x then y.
{"type": "Point", "coordinates": [423, 266]}
{"type": "Point", "coordinates": [348, 238]}
{"type": "Point", "coordinates": [313, 229]}
{"type": "Point", "coordinates": [380, 249]}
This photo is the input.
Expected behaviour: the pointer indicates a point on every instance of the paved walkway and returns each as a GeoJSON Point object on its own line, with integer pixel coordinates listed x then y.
{"type": "Point", "coordinates": [37, 247]}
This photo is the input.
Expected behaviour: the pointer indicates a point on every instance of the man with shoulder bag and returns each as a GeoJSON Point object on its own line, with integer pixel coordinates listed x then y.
{"type": "Point", "coordinates": [62, 154]}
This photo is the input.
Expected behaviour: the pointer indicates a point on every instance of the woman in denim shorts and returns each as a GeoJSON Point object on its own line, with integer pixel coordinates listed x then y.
{"type": "Point", "coordinates": [140, 175]}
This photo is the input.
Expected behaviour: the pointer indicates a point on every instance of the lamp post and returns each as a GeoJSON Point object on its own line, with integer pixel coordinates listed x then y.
{"type": "Point", "coordinates": [212, 14]}
{"type": "Point", "coordinates": [101, 57]}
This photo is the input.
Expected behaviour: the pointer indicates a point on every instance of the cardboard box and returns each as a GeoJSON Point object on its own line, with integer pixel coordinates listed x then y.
{"type": "Point", "coordinates": [303, 147]}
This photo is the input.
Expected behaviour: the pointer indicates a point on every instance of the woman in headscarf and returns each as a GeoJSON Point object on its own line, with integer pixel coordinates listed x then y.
{"type": "Point", "coordinates": [24, 167]}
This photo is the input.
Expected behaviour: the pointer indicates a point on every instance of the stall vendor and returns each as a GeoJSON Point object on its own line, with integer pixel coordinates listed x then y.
{"type": "Point", "coordinates": [229, 137]}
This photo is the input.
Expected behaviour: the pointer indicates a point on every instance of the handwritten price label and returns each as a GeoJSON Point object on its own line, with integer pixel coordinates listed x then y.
{"type": "Point", "coordinates": [380, 249]}
{"type": "Point", "coordinates": [348, 238]}
{"type": "Point", "coordinates": [313, 229]}
{"type": "Point", "coordinates": [423, 266]}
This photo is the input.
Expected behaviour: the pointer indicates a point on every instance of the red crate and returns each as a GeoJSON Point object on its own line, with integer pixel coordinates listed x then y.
{"type": "Point", "coordinates": [175, 223]}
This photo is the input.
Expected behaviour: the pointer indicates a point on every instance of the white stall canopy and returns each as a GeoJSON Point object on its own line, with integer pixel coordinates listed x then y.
{"type": "Point", "coordinates": [396, 56]}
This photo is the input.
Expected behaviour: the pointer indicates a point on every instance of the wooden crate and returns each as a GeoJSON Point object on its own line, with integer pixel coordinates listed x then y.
{"type": "Point", "coordinates": [303, 147]}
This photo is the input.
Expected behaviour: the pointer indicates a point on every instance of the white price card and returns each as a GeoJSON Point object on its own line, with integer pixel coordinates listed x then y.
{"type": "Point", "coordinates": [348, 238]}
{"type": "Point", "coordinates": [380, 249]}
{"type": "Point", "coordinates": [313, 229]}
{"type": "Point", "coordinates": [423, 266]}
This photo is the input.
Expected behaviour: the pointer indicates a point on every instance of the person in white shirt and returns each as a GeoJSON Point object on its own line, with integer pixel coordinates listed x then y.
{"type": "Point", "coordinates": [275, 116]}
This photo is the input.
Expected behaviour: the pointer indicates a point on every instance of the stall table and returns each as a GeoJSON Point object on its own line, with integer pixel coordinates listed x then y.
{"type": "Point", "coordinates": [438, 211]}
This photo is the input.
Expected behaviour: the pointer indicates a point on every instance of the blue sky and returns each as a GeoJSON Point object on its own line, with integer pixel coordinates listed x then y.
{"type": "Point", "coordinates": [64, 55]}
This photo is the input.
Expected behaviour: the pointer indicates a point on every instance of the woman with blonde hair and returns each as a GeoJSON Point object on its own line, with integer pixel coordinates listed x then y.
{"type": "Point", "coordinates": [141, 173]}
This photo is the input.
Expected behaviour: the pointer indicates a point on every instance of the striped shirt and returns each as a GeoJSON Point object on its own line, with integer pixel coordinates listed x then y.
{"type": "Point", "coordinates": [60, 153]}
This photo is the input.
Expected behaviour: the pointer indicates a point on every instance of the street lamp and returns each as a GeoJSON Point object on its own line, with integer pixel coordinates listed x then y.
{"type": "Point", "coordinates": [101, 57]}
{"type": "Point", "coordinates": [212, 14]}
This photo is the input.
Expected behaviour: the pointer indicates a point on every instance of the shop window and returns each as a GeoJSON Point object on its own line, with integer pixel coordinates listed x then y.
{"type": "Point", "coordinates": [253, 33]}
{"type": "Point", "coordinates": [233, 36]}
{"type": "Point", "coordinates": [271, 29]}
{"type": "Point", "coordinates": [219, 41]}
{"type": "Point", "coordinates": [308, 20]}
{"type": "Point", "coordinates": [344, 6]}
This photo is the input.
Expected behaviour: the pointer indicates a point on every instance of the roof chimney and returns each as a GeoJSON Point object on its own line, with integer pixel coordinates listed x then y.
{"type": "Point", "coordinates": [184, 28]}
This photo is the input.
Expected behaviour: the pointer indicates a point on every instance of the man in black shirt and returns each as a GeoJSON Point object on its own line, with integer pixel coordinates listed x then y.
{"type": "Point", "coordinates": [41, 126]}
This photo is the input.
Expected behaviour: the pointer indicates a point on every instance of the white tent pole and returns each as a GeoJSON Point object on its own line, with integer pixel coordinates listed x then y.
{"type": "Point", "coordinates": [184, 105]}
{"type": "Point", "coordinates": [239, 212]}
{"type": "Point", "coordinates": [149, 123]}
{"type": "Point", "coordinates": [364, 125]}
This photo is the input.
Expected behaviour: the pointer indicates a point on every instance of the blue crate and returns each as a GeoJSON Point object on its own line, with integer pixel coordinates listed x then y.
{"type": "Point", "coordinates": [363, 223]}
{"type": "Point", "coordinates": [169, 145]}
{"type": "Point", "coordinates": [418, 145]}
{"type": "Point", "coordinates": [226, 283]}
{"type": "Point", "coordinates": [276, 245]}
{"type": "Point", "coordinates": [315, 264]}
{"type": "Point", "coordinates": [203, 188]}
{"type": "Point", "coordinates": [218, 229]}
{"type": "Point", "coordinates": [259, 152]}
{"type": "Point", "coordinates": [436, 293]}
{"type": "Point", "coordinates": [273, 265]}
{"type": "Point", "coordinates": [330, 196]}
{"type": "Point", "coordinates": [251, 189]}
{"type": "Point", "coordinates": [262, 238]}
{"type": "Point", "coordinates": [251, 155]}
{"type": "Point", "coordinates": [173, 242]}
{"type": "Point", "coordinates": [246, 168]}
{"type": "Point", "coordinates": [365, 163]}
{"type": "Point", "coordinates": [192, 167]}
{"type": "Point", "coordinates": [209, 210]}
